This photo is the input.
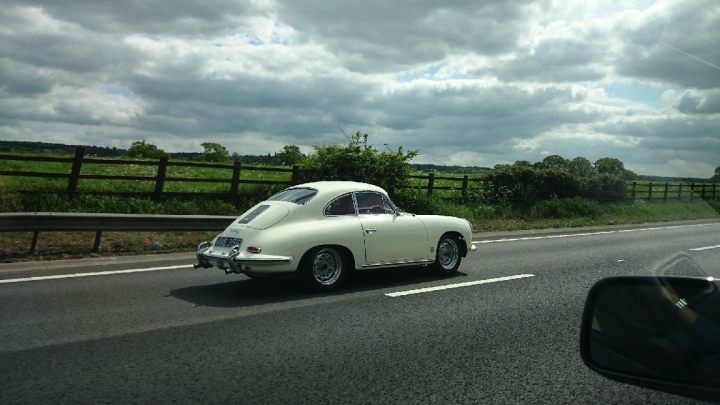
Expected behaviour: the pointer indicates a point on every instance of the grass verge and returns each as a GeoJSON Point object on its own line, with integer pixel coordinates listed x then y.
{"type": "Point", "coordinates": [548, 214]}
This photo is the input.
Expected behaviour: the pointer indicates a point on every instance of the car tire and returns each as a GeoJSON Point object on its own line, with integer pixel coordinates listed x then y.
{"type": "Point", "coordinates": [447, 256]}
{"type": "Point", "coordinates": [324, 268]}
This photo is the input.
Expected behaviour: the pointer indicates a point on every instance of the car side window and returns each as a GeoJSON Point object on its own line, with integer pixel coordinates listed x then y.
{"type": "Point", "coordinates": [370, 203]}
{"type": "Point", "coordinates": [341, 206]}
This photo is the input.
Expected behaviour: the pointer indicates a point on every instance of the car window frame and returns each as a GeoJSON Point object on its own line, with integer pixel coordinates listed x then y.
{"type": "Point", "coordinates": [355, 206]}
{"type": "Point", "coordinates": [384, 200]}
{"type": "Point", "coordinates": [295, 188]}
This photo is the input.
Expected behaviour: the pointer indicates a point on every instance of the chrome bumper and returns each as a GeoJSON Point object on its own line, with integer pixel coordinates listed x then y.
{"type": "Point", "coordinates": [231, 263]}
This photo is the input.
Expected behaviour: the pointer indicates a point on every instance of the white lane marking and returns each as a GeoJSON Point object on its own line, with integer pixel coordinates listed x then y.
{"type": "Point", "coordinates": [591, 233]}
{"type": "Point", "coordinates": [707, 247]}
{"type": "Point", "coordinates": [458, 285]}
{"type": "Point", "coordinates": [99, 273]}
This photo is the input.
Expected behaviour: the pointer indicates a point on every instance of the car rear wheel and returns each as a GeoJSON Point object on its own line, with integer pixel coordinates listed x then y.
{"type": "Point", "coordinates": [447, 256]}
{"type": "Point", "coordinates": [324, 268]}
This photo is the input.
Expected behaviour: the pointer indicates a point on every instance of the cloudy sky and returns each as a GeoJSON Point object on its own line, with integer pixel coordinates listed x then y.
{"type": "Point", "coordinates": [464, 82]}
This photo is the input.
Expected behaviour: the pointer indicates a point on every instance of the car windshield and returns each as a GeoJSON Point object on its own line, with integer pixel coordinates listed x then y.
{"type": "Point", "coordinates": [295, 195]}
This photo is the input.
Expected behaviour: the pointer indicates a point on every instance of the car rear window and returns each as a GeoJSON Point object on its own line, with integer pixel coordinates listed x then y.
{"type": "Point", "coordinates": [249, 217]}
{"type": "Point", "coordinates": [295, 195]}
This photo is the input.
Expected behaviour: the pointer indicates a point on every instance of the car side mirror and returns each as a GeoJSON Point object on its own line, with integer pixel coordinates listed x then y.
{"type": "Point", "coordinates": [661, 333]}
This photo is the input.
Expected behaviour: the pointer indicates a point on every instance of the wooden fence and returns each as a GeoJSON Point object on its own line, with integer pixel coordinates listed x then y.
{"type": "Point", "coordinates": [160, 179]}
{"type": "Point", "coordinates": [649, 191]}
{"type": "Point", "coordinates": [679, 191]}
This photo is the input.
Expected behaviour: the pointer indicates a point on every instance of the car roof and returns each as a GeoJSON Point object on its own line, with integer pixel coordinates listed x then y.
{"type": "Point", "coordinates": [329, 189]}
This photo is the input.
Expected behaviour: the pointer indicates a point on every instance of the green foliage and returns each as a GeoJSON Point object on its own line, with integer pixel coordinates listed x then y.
{"type": "Point", "coordinates": [143, 150]}
{"type": "Point", "coordinates": [556, 162]}
{"type": "Point", "coordinates": [358, 161]}
{"type": "Point", "coordinates": [716, 177]}
{"type": "Point", "coordinates": [605, 187]}
{"type": "Point", "coordinates": [525, 184]}
{"type": "Point", "coordinates": [567, 208]}
{"type": "Point", "coordinates": [7, 198]}
{"type": "Point", "coordinates": [214, 152]}
{"type": "Point", "coordinates": [615, 167]}
{"type": "Point", "coordinates": [417, 202]}
{"type": "Point", "coordinates": [581, 167]}
{"type": "Point", "coordinates": [290, 155]}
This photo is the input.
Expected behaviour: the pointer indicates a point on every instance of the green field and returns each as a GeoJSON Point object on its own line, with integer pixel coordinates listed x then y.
{"type": "Point", "coordinates": [45, 194]}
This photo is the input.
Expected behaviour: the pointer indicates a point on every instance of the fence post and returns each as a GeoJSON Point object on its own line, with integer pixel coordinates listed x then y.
{"type": "Point", "coordinates": [235, 182]}
{"type": "Point", "coordinates": [679, 191]}
{"type": "Point", "coordinates": [431, 182]}
{"type": "Point", "coordinates": [160, 179]}
{"type": "Point", "coordinates": [649, 191]}
{"type": "Point", "coordinates": [75, 172]}
{"type": "Point", "coordinates": [96, 246]}
{"type": "Point", "coordinates": [633, 190]}
{"type": "Point", "coordinates": [702, 193]}
{"type": "Point", "coordinates": [295, 175]}
{"type": "Point", "coordinates": [692, 190]}
{"type": "Point", "coordinates": [465, 185]}
{"type": "Point", "coordinates": [33, 245]}
{"type": "Point", "coordinates": [665, 193]}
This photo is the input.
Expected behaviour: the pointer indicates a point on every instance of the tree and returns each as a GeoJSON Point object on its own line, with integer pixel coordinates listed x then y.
{"type": "Point", "coordinates": [290, 155]}
{"type": "Point", "coordinates": [214, 152]}
{"type": "Point", "coordinates": [143, 150]}
{"type": "Point", "coordinates": [608, 165]}
{"type": "Point", "coordinates": [716, 177]}
{"type": "Point", "coordinates": [581, 167]}
{"type": "Point", "coordinates": [358, 161]}
{"type": "Point", "coordinates": [556, 162]}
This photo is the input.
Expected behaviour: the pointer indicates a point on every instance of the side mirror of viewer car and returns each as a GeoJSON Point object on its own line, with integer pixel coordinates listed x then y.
{"type": "Point", "coordinates": [661, 333]}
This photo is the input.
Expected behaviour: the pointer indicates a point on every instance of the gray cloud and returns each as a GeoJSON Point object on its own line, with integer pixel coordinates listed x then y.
{"type": "Point", "coordinates": [481, 83]}
{"type": "Point", "coordinates": [707, 102]}
{"type": "Point", "coordinates": [383, 36]}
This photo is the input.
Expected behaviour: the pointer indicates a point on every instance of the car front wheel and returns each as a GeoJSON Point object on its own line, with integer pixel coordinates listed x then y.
{"type": "Point", "coordinates": [323, 269]}
{"type": "Point", "coordinates": [447, 256]}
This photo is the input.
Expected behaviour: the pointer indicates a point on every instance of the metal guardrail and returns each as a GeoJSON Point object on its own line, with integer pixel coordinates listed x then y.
{"type": "Point", "coordinates": [50, 221]}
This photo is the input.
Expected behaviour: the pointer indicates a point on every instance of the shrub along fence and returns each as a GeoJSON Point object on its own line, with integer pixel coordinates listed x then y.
{"type": "Point", "coordinates": [460, 185]}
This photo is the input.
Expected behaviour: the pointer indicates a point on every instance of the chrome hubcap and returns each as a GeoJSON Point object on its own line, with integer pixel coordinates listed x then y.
{"type": "Point", "coordinates": [448, 254]}
{"type": "Point", "coordinates": [327, 266]}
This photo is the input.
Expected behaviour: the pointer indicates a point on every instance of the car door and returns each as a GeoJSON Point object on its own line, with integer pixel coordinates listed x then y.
{"type": "Point", "coordinates": [389, 237]}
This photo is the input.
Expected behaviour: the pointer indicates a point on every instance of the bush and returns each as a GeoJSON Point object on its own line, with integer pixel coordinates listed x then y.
{"type": "Point", "coordinates": [567, 208]}
{"type": "Point", "coordinates": [214, 152]}
{"type": "Point", "coordinates": [143, 150]}
{"type": "Point", "coordinates": [417, 202]}
{"type": "Point", "coordinates": [358, 161]}
{"type": "Point", "coordinates": [8, 202]}
{"type": "Point", "coordinates": [603, 187]}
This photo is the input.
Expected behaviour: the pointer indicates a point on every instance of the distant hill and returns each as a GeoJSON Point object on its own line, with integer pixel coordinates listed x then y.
{"type": "Point", "coordinates": [43, 147]}
{"type": "Point", "coordinates": [101, 151]}
{"type": "Point", "coordinates": [452, 169]}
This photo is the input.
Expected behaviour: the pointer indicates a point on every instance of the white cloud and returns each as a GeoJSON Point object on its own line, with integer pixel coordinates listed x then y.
{"type": "Point", "coordinates": [464, 83]}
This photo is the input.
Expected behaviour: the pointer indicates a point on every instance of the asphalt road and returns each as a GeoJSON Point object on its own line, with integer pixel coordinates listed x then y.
{"type": "Point", "coordinates": [179, 335]}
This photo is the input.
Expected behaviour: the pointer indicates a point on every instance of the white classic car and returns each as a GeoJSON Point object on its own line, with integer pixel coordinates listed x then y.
{"type": "Point", "coordinates": [323, 230]}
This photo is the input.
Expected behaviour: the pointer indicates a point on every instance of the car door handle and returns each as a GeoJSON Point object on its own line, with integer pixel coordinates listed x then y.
{"type": "Point", "coordinates": [370, 230]}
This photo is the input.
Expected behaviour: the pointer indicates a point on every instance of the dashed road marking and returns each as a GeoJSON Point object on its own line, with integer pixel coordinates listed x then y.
{"type": "Point", "coordinates": [458, 285]}
{"type": "Point", "coordinates": [98, 273]}
{"type": "Point", "coordinates": [707, 247]}
{"type": "Point", "coordinates": [592, 233]}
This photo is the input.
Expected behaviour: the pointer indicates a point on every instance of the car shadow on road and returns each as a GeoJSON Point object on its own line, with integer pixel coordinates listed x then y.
{"type": "Point", "coordinates": [248, 292]}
